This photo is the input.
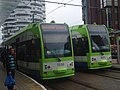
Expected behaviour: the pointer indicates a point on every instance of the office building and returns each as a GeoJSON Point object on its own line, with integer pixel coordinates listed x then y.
{"type": "Point", "coordinates": [105, 12]}
{"type": "Point", "coordinates": [27, 11]}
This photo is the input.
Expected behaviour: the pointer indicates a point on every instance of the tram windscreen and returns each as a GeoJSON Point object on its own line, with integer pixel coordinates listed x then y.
{"type": "Point", "coordinates": [99, 38]}
{"type": "Point", "coordinates": [56, 38]}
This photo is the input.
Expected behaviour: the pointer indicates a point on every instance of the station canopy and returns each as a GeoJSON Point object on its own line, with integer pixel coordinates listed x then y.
{"type": "Point", "coordinates": [6, 7]}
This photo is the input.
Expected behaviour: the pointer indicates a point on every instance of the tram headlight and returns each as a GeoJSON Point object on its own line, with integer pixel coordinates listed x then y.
{"type": "Point", "coordinates": [47, 67]}
{"type": "Point", "coordinates": [71, 64]}
{"type": "Point", "coordinates": [110, 58]}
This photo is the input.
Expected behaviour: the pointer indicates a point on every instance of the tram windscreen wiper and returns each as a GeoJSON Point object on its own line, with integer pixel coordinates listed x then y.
{"type": "Point", "coordinates": [97, 48]}
{"type": "Point", "coordinates": [52, 53]}
{"type": "Point", "coordinates": [55, 55]}
{"type": "Point", "coordinates": [101, 52]}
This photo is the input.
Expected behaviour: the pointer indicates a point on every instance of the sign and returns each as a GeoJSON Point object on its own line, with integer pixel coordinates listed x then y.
{"type": "Point", "coordinates": [60, 64]}
{"type": "Point", "coordinates": [60, 27]}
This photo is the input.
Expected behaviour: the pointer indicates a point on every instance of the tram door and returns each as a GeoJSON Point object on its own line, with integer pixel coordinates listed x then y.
{"type": "Point", "coordinates": [118, 50]}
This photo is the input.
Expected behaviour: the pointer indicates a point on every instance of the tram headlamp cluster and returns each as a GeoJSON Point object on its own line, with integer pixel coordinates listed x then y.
{"type": "Point", "coordinates": [71, 64]}
{"type": "Point", "coordinates": [94, 59]}
{"type": "Point", "coordinates": [110, 57]}
{"type": "Point", "coordinates": [47, 67]}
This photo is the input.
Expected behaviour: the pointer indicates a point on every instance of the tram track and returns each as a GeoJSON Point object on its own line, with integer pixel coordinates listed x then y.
{"type": "Point", "coordinates": [105, 79]}
{"type": "Point", "coordinates": [112, 70]}
{"type": "Point", "coordinates": [84, 84]}
{"type": "Point", "coordinates": [96, 82]}
{"type": "Point", "coordinates": [67, 84]}
{"type": "Point", "coordinates": [80, 80]}
{"type": "Point", "coordinates": [113, 74]}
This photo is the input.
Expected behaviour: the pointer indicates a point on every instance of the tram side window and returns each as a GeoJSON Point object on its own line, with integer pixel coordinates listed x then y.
{"type": "Point", "coordinates": [80, 46]}
{"type": "Point", "coordinates": [21, 47]}
{"type": "Point", "coordinates": [21, 51]}
{"type": "Point", "coordinates": [29, 50]}
{"type": "Point", "coordinates": [33, 50]}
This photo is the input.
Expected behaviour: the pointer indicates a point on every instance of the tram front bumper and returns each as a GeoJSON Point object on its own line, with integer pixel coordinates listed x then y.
{"type": "Point", "coordinates": [60, 70]}
{"type": "Point", "coordinates": [102, 62]}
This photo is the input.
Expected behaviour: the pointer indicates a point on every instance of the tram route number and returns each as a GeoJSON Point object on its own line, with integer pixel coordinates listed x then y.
{"type": "Point", "coordinates": [60, 64]}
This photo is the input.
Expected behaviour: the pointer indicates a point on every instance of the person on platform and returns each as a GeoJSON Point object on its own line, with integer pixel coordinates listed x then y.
{"type": "Point", "coordinates": [10, 62]}
{"type": "Point", "coordinates": [10, 65]}
{"type": "Point", "coordinates": [3, 57]}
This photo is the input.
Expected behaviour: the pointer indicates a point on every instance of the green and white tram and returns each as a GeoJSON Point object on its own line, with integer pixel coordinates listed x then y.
{"type": "Point", "coordinates": [91, 46]}
{"type": "Point", "coordinates": [44, 50]}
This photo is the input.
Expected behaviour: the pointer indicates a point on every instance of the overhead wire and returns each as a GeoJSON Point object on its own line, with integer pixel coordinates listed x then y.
{"type": "Point", "coordinates": [62, 3]}
{"type": "Point", "coordinates": [59, 7]}
{"type": "Point", "coordinates": [69, 4]}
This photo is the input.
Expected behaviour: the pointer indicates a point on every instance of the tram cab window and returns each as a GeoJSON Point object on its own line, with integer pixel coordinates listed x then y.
{"type": "Point", "coordinates": [67, 47]}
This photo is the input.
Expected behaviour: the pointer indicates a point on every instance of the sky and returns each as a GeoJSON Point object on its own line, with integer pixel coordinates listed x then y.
{"type": "Point", "coordinates": [72, 15]}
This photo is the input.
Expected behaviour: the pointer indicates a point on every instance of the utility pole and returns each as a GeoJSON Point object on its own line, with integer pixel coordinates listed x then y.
{"type": "Point", "coordinates": [33, 17]}
{"type": "Point", "coordinates": [113, 14]}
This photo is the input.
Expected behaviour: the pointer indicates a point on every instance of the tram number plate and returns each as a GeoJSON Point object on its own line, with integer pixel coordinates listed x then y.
{"type": "Point", "coordinates": [102, 57]}
{"type": "Point", "coordinates": [60, 64]}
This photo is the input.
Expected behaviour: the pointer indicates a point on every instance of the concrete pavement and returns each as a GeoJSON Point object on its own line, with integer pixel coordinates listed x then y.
{"type": "Point", "coordinates": [23, 82]}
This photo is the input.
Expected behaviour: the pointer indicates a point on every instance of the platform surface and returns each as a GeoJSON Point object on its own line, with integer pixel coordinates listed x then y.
{"type": "Point", "coordinates": [23, 82]}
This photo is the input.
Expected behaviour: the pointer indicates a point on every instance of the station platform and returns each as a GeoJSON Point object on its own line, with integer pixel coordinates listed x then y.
{"type": "Point", "coordinates": [23, 82]}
